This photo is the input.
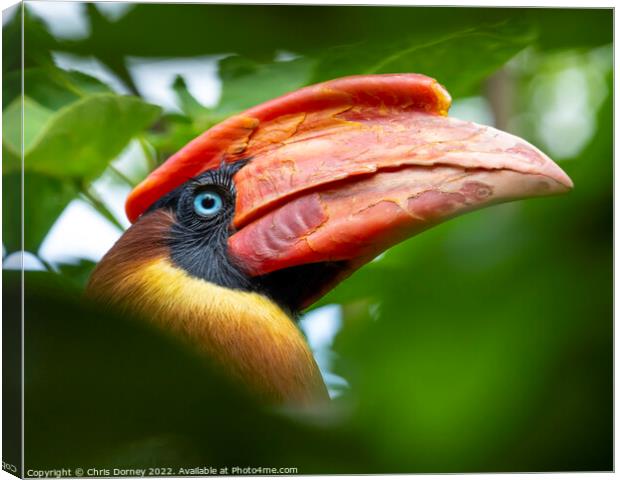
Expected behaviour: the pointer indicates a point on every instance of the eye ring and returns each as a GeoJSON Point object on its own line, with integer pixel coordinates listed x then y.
{"type": "Point", "coordinates": [208, 203]}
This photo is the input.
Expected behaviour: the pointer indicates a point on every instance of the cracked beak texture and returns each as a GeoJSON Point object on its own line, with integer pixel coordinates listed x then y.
{"type": "Point", "coordinates": [342, 170]}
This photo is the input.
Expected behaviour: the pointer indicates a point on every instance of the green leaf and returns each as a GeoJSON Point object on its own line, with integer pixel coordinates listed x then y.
{"type": "Point", "coordinates": [38, 42]}
{"type": "Point", "coordinates": [189, 105]}
{"type": "Point", "coordinates": [11, 160]}
{"type": "Point", "coordinates": [479, 53]}
{"type": "Point", "coordinates": [37, 45]}
{"type": "Point", "coordinates": [11, 39]}
{"type": "Point", "coordinates": [246, 83]}
{"type": "Point", "coordinates": [175, 131]}
{"type": "Point", "coordinates": [11, 212]}
{"type": "Point", "coordinates": [39, 216]}
{"type": "Point", "coordinates": [77, 273]}
{"type": "Point", "coordinates": [80, 139]}
{"type": "Point", "coordinates": [35, 118]}
{"type": "Point", "coordinates": [79, 82]}
{"type": "Point", "coordinates": [564, 28]}
{"type": "Point", "coordinates": [258, 31]}
{"type": "Point", "coordinates": [51, 87]}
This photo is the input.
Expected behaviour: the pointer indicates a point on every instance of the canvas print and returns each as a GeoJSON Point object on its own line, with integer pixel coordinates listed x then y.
{"type": "Point", "coordinates": [301, 239]}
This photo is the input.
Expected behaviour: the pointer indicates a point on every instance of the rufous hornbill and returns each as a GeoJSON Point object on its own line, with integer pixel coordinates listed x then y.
{"type": "Point", "coordinates": [262, 214]}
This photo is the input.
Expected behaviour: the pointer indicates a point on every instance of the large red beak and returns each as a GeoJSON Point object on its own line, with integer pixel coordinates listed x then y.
{"type": "Point", "coordinates": [342, 170]}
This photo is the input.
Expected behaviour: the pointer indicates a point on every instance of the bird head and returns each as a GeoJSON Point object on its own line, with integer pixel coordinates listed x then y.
{"type": "Point", "coordinates": [298, 192]}
{"type": "Point", "coordinates": [287, 199]}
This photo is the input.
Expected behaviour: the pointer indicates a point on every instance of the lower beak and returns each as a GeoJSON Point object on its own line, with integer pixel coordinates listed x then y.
{"type": "Point", "coordinates": [368, 179]}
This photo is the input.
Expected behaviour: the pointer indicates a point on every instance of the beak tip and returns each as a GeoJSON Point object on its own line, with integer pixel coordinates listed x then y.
{"type": "Point", "coordinates": [568, 182]}
{"type": "Point", "coordinates": [559, 176]}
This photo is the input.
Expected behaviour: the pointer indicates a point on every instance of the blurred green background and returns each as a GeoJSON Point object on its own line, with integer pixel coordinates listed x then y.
{"type": "Point", "coordinates": [484, 344]}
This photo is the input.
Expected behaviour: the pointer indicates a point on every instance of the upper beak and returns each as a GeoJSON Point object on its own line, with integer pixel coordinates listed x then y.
{"type": "Point", "coordinates": [342, 170]}
{"type": "Point", "coordinates": [347, 183]}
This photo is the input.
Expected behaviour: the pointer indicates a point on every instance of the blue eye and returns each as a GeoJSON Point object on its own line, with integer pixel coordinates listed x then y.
{"type": "Point", "coordinates": [207, 204]}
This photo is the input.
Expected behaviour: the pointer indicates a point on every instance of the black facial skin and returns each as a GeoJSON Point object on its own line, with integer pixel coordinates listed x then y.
{"type": "Point", "coordinates": [199, 244]}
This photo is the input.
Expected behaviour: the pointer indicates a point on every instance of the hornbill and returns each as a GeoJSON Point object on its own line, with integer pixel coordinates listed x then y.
{"type": "Point", "coordinates": [262, 214]}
